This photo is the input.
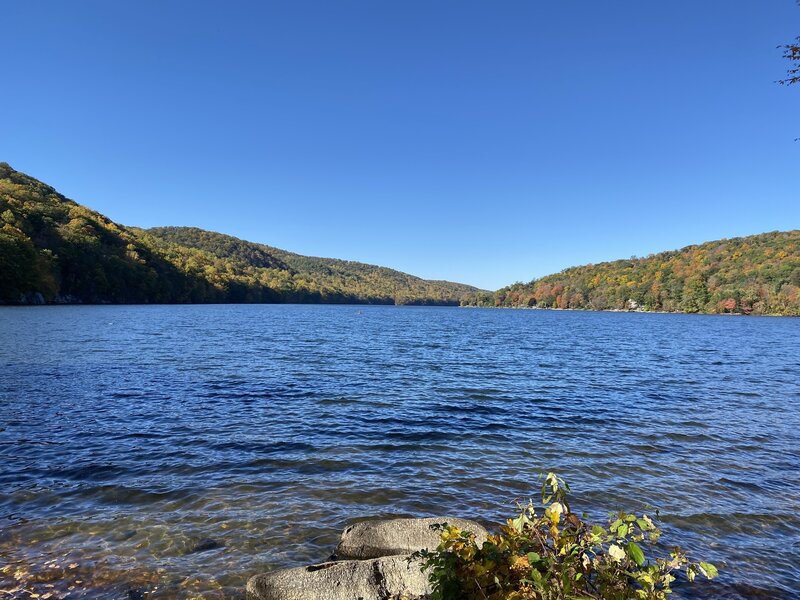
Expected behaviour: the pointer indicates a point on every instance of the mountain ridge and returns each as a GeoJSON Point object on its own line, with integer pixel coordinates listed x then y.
{"type": "Point", "coordinates": [53, 249]}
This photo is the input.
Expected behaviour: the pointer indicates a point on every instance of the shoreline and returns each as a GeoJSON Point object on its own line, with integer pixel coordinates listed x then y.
{"type": "Point", "coordinates": [626, 310]}
{"type": "Point", "coordinates": [388, 304]}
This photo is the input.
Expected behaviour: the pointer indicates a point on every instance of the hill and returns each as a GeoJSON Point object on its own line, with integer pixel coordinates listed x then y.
{"type": "Point", "coordinates": [335, 280]}
{"type": "Point", "coordinates": [758, 274]}
{"type": "Point", "coordinates": [52, 249]}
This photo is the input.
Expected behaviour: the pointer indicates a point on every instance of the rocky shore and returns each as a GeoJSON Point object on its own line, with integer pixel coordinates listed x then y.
{"type": "Point", "coordinates": [371, 562]}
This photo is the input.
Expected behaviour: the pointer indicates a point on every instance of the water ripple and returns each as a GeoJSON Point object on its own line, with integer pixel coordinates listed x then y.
{"type": "Point", "coordinates": [132, 435]}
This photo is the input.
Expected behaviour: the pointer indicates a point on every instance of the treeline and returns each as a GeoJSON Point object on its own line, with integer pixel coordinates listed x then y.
{"type": "Point", "coordinates": [331, 277]}
{"type": "Point", "coordinates": [758, 274]}
{"type": "Point", "coordinates": [55, 250]}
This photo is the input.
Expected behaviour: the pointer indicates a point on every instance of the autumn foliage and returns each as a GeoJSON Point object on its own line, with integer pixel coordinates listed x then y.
{"type": "Point", "coordinates": [53, 249]}
{"type": "Point", "coordinates": [758, 274]}
{"type": "Point", "coordinates": [552, 553]}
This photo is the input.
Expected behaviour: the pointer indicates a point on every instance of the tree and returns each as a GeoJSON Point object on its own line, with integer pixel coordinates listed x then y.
{"type": "Point", "coordinates": [791, 52]}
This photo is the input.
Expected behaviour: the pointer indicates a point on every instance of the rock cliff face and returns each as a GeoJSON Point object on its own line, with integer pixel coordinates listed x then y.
{"type": "Point", "coordinates": [383, 569]}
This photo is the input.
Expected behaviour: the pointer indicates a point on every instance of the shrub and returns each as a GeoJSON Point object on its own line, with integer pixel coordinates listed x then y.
{"type": "Point", "coordinates": [555, 555]}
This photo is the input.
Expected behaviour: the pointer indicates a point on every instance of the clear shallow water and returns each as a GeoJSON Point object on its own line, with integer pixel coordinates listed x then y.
{"type": "Point", "coordinates": [131, 433]}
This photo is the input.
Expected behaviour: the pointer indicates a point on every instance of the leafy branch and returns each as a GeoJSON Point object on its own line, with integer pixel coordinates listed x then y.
{"type": "Point", "coordinates": [556, 555]}
{"type": "Point", "coordinates": [791, 52]}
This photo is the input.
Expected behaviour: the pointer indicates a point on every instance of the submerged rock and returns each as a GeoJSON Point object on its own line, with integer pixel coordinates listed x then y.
{"type": "Point", "coordinates": [135, 594]}
{"type": "Point", "coordinates": [204, 545]}
{"type": "Point", "coordinates": [386, 578]}
{"type": "Point", "coordinates": [371, 539]}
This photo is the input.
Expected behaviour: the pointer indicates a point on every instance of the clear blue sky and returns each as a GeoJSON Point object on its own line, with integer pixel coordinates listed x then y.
{"type": "Point", "coordinates": [483, 142]}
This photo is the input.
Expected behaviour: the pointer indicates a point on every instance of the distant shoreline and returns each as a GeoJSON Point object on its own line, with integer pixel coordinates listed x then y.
{"type": "Point", "coordinates": [625, 310]}
{"type": "Point", "coordinates": [389, 304]}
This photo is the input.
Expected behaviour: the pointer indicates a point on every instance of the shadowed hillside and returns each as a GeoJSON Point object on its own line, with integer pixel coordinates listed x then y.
{"type": "Point", "coordinates": [55, 250]}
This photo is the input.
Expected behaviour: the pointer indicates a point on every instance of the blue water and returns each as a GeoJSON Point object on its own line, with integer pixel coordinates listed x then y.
{"type": "Point", "coordinates": [131, 433]}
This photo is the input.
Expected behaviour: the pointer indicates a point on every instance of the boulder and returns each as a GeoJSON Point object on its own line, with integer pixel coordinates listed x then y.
{"type": "Point", "coordinates": [387, 578]}
{"type": "Point", "coordinates": [371, 539]}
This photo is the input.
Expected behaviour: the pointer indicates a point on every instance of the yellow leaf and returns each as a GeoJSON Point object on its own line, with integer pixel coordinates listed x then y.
{"type": "Point", "coordinates": [616, 553]}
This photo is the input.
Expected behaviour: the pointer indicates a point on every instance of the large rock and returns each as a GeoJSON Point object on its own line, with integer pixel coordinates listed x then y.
{"type": "Point", "coordinates": [32, 298]}
{"type": "Point", "coordinates": [386, 578]}
{"type": "Point", "coordinates": [371, 539]}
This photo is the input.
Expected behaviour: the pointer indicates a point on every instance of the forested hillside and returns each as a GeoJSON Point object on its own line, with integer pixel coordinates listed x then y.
{"type": "Point", "coordinates": [758, 274]}
{"type": "Point", "coordinates": [55, 250]}
{"type": "Point", "coordinates": [334, 276]}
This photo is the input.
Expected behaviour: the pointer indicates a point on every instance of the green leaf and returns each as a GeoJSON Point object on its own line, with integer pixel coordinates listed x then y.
{"type": "Point", "coordinates": [533, 557]}
{"type": "Point", "coordinates": [622, 530]}
{"type": "Point", "coordinates": [635, 552]}
{"type": "Point", "coordinates": [709, 570]}
{"type": "Point", "coordinates": [519, 523]}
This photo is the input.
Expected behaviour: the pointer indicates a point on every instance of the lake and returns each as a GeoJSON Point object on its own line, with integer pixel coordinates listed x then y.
{"type": "Point", "coordinates": [173, 451]}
